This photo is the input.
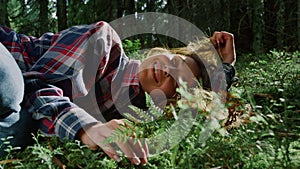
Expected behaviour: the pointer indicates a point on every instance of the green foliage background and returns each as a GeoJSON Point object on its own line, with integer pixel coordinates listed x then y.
{"type": "Point", "coordinates": [269, 80]}
{"type": "Point", "coordinates": [258, 25]}
{"type": "Point", "coordinates": [268, 139]}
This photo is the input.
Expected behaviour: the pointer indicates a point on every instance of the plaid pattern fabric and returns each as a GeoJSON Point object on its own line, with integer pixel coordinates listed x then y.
{"type": "Point", "coordinates": [230, 72]}
{"type": "Point", "coordinates": [73, 76]}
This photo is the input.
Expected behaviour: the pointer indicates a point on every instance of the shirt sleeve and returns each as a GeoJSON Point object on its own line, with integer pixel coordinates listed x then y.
{"type": "Point", "coordinates": [76, 59]}
{"type": "Point", "coordinates": [230, 72]}
{"type": "Point", "coordinates": [57, 115]}
{"type": "Point", "coordinates": [26, 50]}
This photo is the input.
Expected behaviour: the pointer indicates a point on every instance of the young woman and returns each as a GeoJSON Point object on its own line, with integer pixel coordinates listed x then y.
{"type": "Point", "coordinates": [78, 78]}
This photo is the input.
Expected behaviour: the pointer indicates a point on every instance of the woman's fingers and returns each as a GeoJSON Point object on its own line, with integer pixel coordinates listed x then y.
{"type": "Point", "coordinates": [140, 149]}
{"type": "Point", "coordinates": [129, 152]}
{"type": "Point", "coordinates": [213, 41]}
{"type": "Point", "coordinates": [224, 43]}
{"type": "Point", "coordinates": [135, 151]}
{"type": "Point", "coordinates": [221, 38]}
{"type": "Point", "coordinates": [110, 151]}
{"type": "Point", "coordinates": [94, 136]}
{"type": "Point", "coordinates": [146, 149]}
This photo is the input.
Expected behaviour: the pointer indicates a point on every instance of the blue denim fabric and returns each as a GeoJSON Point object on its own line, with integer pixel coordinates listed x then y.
{"type": "Point", "coordinates": [13, 121]}
{"type": "Point", "coordinates": [18, 126]}
{"type": "Point", "coordinates": [11, 84]}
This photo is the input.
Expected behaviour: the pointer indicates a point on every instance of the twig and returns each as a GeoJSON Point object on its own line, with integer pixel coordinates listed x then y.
{"type": "Point", "coordinates": [283, 134]}
{"type": "Point", "coordinates": [59, 163]}
{"type": "Point", "coordinates": [10, 161]}
{"type": "Point", "coordinates": [55, 159]}
{"type": "Point", "coordinates": [263, 95]}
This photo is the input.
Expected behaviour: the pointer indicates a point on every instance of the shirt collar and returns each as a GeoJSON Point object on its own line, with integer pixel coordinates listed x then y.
{"type": "Point", "coordinates": [130, 77]}
{"type": "Point", "coordinates": [126, 84]}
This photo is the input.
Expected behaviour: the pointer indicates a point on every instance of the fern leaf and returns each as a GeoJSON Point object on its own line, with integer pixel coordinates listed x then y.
{"type": "Point", "coordinates": [142, 114]}
{"type": "Point", "coordinates": [132, 118]}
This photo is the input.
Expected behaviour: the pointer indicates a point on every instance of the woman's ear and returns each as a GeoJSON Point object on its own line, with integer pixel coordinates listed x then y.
{"type": "Point", "coordinates": [157, 51]}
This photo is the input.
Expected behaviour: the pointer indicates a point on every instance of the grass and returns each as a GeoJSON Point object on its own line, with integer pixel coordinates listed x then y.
{"type": "Point", "coordinates": [269, 138]}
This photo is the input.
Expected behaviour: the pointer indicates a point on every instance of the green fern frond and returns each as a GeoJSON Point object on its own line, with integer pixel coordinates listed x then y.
{"type": "Point", "coordinates": [153, 112]}
{"type": "Point", "coordinates": [148, 100]}
{"type": "Point", "coordinates": [121, 134]}
{"type": "Point", "coordinates": [132, 118]}
{"type": "Point", "coordinates": [142, 114]}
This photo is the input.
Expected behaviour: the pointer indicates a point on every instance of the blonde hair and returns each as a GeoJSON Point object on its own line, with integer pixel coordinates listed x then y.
{"type": "Point", "coordinates": [202, 51]}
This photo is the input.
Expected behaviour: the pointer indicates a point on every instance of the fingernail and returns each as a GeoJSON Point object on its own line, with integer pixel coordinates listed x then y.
{"type": "Point", "coordinates": [117, 158]}
{"type": "Point", "coordinates": [144, 161]}
{"type": "Point", "coordinates": [136, 161]}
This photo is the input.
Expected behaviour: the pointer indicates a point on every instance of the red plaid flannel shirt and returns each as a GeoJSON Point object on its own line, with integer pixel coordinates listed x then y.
{"type": "Point", "coordinates": [74, 77]}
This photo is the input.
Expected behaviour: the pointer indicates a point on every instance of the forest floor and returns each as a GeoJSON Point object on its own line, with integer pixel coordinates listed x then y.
{"type": "Point", "coordinates": [266, 134]}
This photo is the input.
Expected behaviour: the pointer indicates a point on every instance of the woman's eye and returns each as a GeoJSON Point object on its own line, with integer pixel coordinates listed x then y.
{"type": "Point", "coordinates": [174, 61]}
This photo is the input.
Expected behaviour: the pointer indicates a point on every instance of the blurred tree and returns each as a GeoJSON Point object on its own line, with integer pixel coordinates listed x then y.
{"type": "Point", "coordinates": [76, 13]}
{"type": "Point", "coordinates": [150, 6]}
{"type": "Point", "coordinates": [43, 16]}
{"type": "Point", "coordinates": [280, 24]}
{"type": "Point", "coordinates": [29, 22]}
{"type": "Point", "coordinates": [4, 14]}
{"type": "Point", "coordinates": [16, 11]}
{"type": "Point", "coordinates": [257, 25]}
{"type": "Point", "coordinates": [290, 25]}
{"type": "Point", "coordinates": [269, 20]}
{"type": "Point", "coordinates": [61, 14]}
{"type": "Point", "coordinates": [129, 7]}
{"type": "Point", "coordinates": [104, 10]}
{"type": "Point", "coordinates": [240, 24]}
{"type": "Point", "coordinates": [226, 14]}
{"type": "Point", "coordinates": [120, 8]}
{"type": "Point", "coordinates": [298, 23]}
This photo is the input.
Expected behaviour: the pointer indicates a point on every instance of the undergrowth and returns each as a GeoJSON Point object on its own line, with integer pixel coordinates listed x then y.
{"type": "Point", "coordinates": [266, 134]}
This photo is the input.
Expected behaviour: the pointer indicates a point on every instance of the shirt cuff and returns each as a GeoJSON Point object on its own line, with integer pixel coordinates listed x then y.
{"type": "Point", "coordinates": [68, 124]}
{"type": "Point", "coordinates": [229, 73]}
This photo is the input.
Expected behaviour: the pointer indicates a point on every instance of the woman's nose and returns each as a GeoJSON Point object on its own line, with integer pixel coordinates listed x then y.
{"type": "Point", "coordinates": [168, 69]}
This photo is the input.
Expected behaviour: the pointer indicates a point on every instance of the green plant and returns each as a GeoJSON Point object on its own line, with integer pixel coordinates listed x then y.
{"type": "Point", "coordinates": [267, 137]}
{"type": "Point", "coordinates": [132, 48]}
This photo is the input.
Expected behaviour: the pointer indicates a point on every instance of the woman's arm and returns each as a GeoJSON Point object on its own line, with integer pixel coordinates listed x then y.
{"type": "Point", "coordinates": [224, 44]}
{"type": "Point", "coordinates": [26, 50]}
{"type": "Point", "coordinates": [76, 58]}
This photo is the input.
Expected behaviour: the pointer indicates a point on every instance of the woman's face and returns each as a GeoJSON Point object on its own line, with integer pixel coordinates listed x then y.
{"type": "Point", "coordinates": [161, 73]}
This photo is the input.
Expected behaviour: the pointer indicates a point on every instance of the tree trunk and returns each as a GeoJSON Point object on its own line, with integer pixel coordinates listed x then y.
{"type": "Point", "coordinates": [225, 4]}
{"type": "Point", "coordinates": [4, 14]}
{"type": "Point", "coordinates": [298, 23]}
{"type": "Point", "coordinates": [113, 10]}
{"type": "Point", "coordinates": [269, 20]}
{"type": "Point", "coordinates": [102, 11]}
{"type": "Point", "coordinates": [129, 7]}
{"type": "Point", "coordinates": [43, 20]}
{"type": "Point", "coordinates": [280, 24]}
{"type": "Point", "coordinates": [61, 14]}
{"type": "Point", "coordinates": [121, 7]}
{"type": "Point", "coordinates": [77, 13]}
{"type": "Point", "coordinates": [257, 25]}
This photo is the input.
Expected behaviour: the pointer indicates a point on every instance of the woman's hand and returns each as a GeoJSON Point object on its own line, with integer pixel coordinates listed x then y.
{"type": "Point", "coordinates": [93, 136]}
{"type": "Point", "coordinates": [224, 44]}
